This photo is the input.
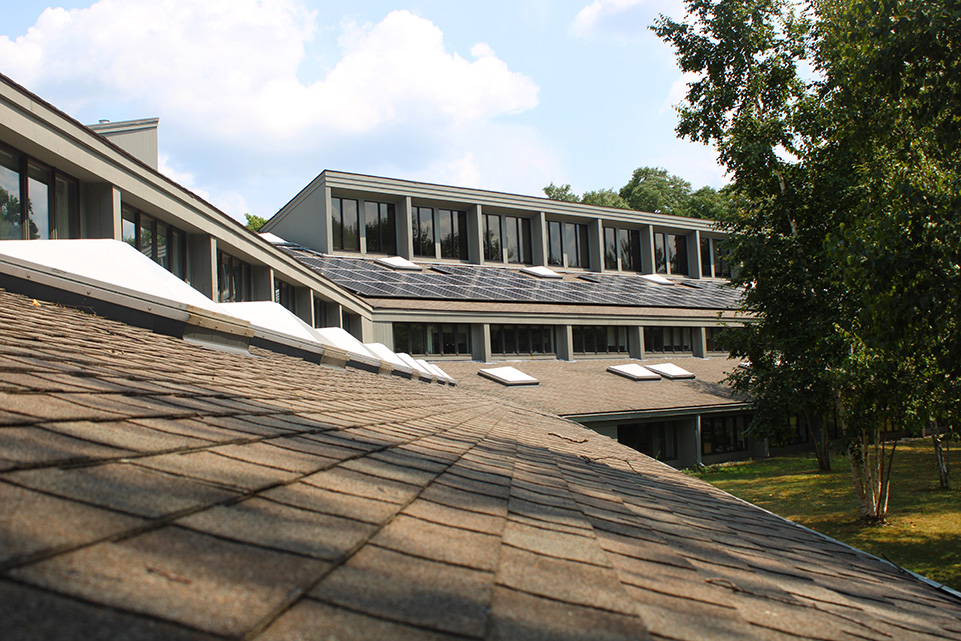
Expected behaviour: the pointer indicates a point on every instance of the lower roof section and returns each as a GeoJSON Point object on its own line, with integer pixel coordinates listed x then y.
{"type": "Point", "coordinates": [155, 489]}
{"type": "Point", "coordinates": [586, 388]}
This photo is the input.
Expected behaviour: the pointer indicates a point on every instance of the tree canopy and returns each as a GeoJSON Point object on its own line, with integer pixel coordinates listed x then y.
{"type": "Point", "coordinates": [651, 189]}
{"type": "Point", "coordinates": [838, 121]}
{"type": "Point", "coordinates": [254, 223]}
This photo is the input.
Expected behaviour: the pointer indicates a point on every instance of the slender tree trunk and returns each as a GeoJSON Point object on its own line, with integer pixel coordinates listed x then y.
{"type": "Point", "coordinates": [941, 455]}
{"type": "Point", "coordinates": [871, 462]}
{"type": "Point", "coordinates": [821, 440]}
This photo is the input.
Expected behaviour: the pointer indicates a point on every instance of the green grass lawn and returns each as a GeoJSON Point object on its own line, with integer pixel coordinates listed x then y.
{"type": "Point", "coordinates": [923, 533]}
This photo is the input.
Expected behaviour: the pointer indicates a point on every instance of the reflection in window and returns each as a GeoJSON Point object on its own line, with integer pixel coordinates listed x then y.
{"type": "Point", "coordinates": [522, 339]}
{"type": "Point", "coordinates": [381, 228]}
{"type": "Point", "coordinates": [164, 244]}
{"type": "Point", "coordinates": [453, 233]}
{"type": "Point", "coordinates": [713, 258]}
{"type": "Point", "coordinates": [575, 240]}
{"type": "Point", "coordinates": [599, 339]}
{"type": "Point", "coordinates": [493, 238]}
{"type": "Point", "coordinates": [284, 294]}
{"type": "Point", "coordinates": [344, 224]}
{"type": "Point", "coordinates": [670, 253]}
{"type": "Point", "coordinates": [233, 279]}
{"type": "Point", "coordinates": [432, 339]}
{"type": "Point", "coordinates": [720, 434]}
{"type": "Point", "coordinates": [518, 239]}
{"type": "Point", "coordinates": [52, 200]}
{"type": "Point", "coordinates": [622, 249]}
{"type": "Point", "coordinates": [668, 339]}
{"type": "Point", "coordinates": [657, 440]}
{"type": "Point", "coordinates": [422, 227]}
{"type": "Point", "coordinates": [555, 246]}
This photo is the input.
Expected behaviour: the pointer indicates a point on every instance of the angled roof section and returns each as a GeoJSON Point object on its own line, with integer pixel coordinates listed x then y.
{"type": "Point", "coordinates": [159, 490]}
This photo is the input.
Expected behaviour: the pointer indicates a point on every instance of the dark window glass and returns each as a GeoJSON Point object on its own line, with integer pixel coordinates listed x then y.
{"type": "Point", "coordinates": [381, 228]}
{"type": "Point", "coordinates": [66, 208]}
{"type": "Point", "coordinates": [721, 434]}
{"type": "Point", "coordinates": [575, 240]}
{"type": "Point", "coordinates": [722, 268]}
{"type": "Point", "coordinates": [493, 238]}
{"type": "Point", "coordinates": [430, 339]}
{"type": "Point", "coordinates": [11, 226]}
{"type": "Point", "coordinates": [668, 339]}
{"type": "Point", "coordinates": [679, 262]}
{"type": "Point", "coordinates": [320, 312]}
{"type": "Point", "coordinates": [160, 246]}
{"type": "Point", "coordinates": [233, 279]}
{"type": "Point", "coordinates": [522, 339]}
{"type": "Point", "coordinates": [610, 247]}
{"type": "Point", "coordinates": [599, 339]}
{"type": "Point", "coordinates": [555, 255]}
{"type": "Point", "coordinates": [629, 245]}
{"type": "Point", "coordinates": [706, 262]}
{"type": "Point", "coordinates": [422, 224]}
{"type": "Point", "coordinates": [146, 242]}
{"type": "Point", "coordinates": [660, 253]}
{"type": "Point", "coordinates": [453, 234]}
{"type": "Point", "coordinates": [177, 252]}
{"type": "Point", "coordinates": [657, 440]}
{"type": "Point", "coordinates": [284, 294]}
{"type": "Point", "coordinates": [518, 241]}
{"type": "Point", "coordinates": [345, 223]}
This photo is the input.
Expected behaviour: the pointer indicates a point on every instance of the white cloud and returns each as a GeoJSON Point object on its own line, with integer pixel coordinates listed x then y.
{"type": "Point", "coordinates": [623, 19]}
{"type": "Point", "coordinates": [245, 92]}
{"type": "Point", "coordinates": [678, 91]}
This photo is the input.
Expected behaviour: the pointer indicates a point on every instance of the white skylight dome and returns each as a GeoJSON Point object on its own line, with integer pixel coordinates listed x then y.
{"type": "Point", "coordinates": [271, 316]}
{"type": "Point", "coordinates": [541, 272]}
{"type": "Point", "coordinates": [634, 372]}
{"type": "Point", "coordinates": [396, 262]}
{"type": "Point", "coordinates": [670, 370]}
{"type": "Point", "coordinates": [656, 278]}
{"type": "Point", "coordinates": [508, 376]}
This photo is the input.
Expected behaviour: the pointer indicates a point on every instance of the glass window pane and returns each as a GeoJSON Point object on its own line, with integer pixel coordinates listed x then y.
{"type": "Point", "coordinates": [401, 336]}
{"type": "Point", "coordinates": [706, 262]}
{"type": "Point", "coordinates": [336, 224]}
{"type": "Point", "coordinates": [462, 250]}
{"type": "Point", "coordinates": [493, 238]}
{"type": "Point", "coordinates": [177, 250]}
{"type": "Point", "coordinates": [424, 231]}
{"type": "Point", "coordinates": [146, 242]}
{"type": "Point", "coordinates": [463, 339]}
{"type": "Point", "coordinates": [555, 247]}
{"type": "Point", "coordinates": [388, 229]}
{"type": "Point", "coordinates": [447, 232]}
{"type": "Point", "coordinates": [610, 246]}
{"type": "Point", "coordinates": [65, 205]}
{"type": "Point", "coordinates": [583, 253]}
{"type": "Point", "coordinates": [162, 258]}
{"type": "Point", "coordinates": [512, 240]}
{"type": "Point", "coordinates": [372, 226]}
{"type": "Point", "coordinates": [38, 202]}
{"type": "Point", "coordinates": [350, 225]}
{"type": "Point", "coordinates": [128, 227]}
{"type": "Point", "coordinates": [660, 256]}
{"type": "Point", "coordinates": [570, 240]}
{"type": "Point", "coordinates": [679, 263]}
{"type": "Point", "coordinates": [11, 227]}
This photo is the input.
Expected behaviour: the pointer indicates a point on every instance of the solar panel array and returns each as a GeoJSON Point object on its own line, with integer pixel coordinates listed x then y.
{"type": "Point", "coordinates": [494, 284]}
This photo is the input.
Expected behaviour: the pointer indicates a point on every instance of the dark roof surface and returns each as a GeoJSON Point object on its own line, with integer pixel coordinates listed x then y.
{"type": "Point", "coordinates": [449, 281]}
{"type": "Point", "coordinates": [154, 489]}
{"type": "Point", "coordinates": [574, 388]}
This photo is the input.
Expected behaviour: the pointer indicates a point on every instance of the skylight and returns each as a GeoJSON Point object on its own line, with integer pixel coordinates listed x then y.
{"type": "Point", "coordinates": [655, 278]}
{"type": "Point", "coordinates": [396, 262]}
{"type": "Point", "coordinates": [508, 376]}
{"type": "Point", "coordinates": [634, 372]}
{"type": "Point", "coordinates": [670, 370]}
{"type": "Point", "coordinates": [271, 316]}
{"type": "Point", "coordinates": [541, 272]}
{"type": "Point", "coordinates": [384, 353]}
{"type": "Point", "coordinates": [342, 339]}
{"type": "Point", "coordinates": [272, 238]}
{"type": "Point", "coordinates": [413, 363]}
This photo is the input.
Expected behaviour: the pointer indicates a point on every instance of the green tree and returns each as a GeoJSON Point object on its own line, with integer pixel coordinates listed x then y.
{"type": "Point", "coordinates": [562, 192]}
{"type": "Point", "coordinates": [254, 223]}
{"type": "Point", "coordinates": [604, 198]}
{"type": "Point", "coordinates": [653, 189]}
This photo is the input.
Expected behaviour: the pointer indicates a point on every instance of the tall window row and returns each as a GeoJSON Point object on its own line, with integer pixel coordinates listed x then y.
{"type": "Point", "coordinates": [668, 339]}
{"type": "Point", "coordinates": [233, 279]}
{"type": "Point", "coordinates": [599, 339]}
{"type": "Point", "coordinates": [568, 244]}
{"type": "Point", "coordinates": [36, 201]}
{"type": "Point", "coordinates": [379, 226]}
{"type": "Point", "coordinates": [522, 340]}
{"type": "Point", "coordinates": [434, 339]}
{"type": "Point", "coordinates": [163, 243]}
{"type": "Point", "coordinates": [507, 238]}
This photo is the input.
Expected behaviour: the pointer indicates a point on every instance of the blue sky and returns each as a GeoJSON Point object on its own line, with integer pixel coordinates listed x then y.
{"type": "Point", "coordinates": [255, 98]}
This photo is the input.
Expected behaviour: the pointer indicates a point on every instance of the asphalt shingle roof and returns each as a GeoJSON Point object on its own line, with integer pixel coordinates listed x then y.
{"type": "Point", "coordinates": [154, 489]}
